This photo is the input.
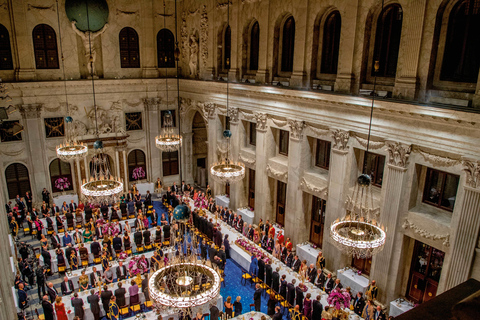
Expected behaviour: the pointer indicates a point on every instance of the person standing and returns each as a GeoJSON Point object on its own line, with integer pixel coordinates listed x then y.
{"type": "Point", "coordinates": [257, 297]}
{"type": "Point", "coordinates": [113, 309]}
{"type": "Point", "coordinates": [317, 308]}
{"type": "Point", "coordinates": [237, 305]}
{"type": "Point", "coordinates": [52, 292]}
{"type": "Point", "coordinates": [47, 308]}
{"type": "Point", "coordinates": [307, 306]}
{"type": "Point", "coordinates": [93, 300]}
{"type": "Point", "coordinates": [77, 305]}
{"type": "Point", "coordinates": [105, 296]}
{"type": "Point", "coordinates": [271, 304]}
{"type": "Point", "coordinates": [120, 295]}
{"type": "Point", "coordinates": [60, 309]}
{"type": "Point", "coordinates": [46, 197]}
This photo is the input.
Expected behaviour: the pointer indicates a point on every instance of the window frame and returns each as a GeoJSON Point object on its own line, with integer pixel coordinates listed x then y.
{"type": "Point", "coordinates": [251, 188]}
{"type": "Point", "coordinates": [283, 134]}
{"type": "Point", "coordinates": [129, 49]}
{"type": "Point", "coordinates": [281, 204]}
{"type": "Point", "coordinates": [318, 205]}
{"type": "Point", "coordinates": [168, 52]}
{"type": "Point", "coordinates": [428, 184]}
{"type": "Point", "coordinates": [226, 48]}
{"type": "Point", "coordinates": [253, 46]}
{"type": "Point", "coordinates": [252, 134]}
{"type": "Point", "coordinates": [18, 181]}
{"type": "Point", "coordinates": [374, 178]}
{"type": "Point", "coordinates": [282, 48]}
{"type": "Point", "coordinates": [48, 52]}
{"type": "Point", "coordinates": [335, 42]}
{"type": "Point", "coordinates": [132, 165]}
{"type": "Point", "coordinates": [60, 174]}
{"type": "Point", "coordinates": [327, 146]}
{"type": "Point", "coordinates": [6, 58]}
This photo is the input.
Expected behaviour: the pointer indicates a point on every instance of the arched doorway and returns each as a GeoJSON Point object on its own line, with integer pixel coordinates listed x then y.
{"type": "Point", "coordinates": [200, 150]}
{"type": "Point", "coordinates": [137, 165]}
{"type": "Point", "coordinates": [60, 176]}
{"type": "Point", "coordinates": [18, 180]}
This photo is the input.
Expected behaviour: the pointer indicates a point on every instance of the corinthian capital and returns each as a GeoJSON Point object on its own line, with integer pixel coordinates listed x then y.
{"type": "Point", "coordinates": [261, 121]}
{"type": "Point", "coordinates": [472, 169]}
{"type": "Point", "coordinates": [340, 139]}
{"type": "Point", "coordinates": [296, 129]}
{"type": "Point", "coordinates": [398, 153]}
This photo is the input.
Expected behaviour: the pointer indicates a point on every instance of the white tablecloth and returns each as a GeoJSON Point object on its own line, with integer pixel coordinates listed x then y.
{"type": "Point", "coordinates": [13, 267]}
{"type": "Point", "coordinates": [306, 252]}
{"type": "Point", "coordinates": [247, 215]}
{"type": "Point", "coordinates": [58, 200]}
{"type": "Point", "coordinates": [223, 201]}
{"type": "Point", "coordinates": [397, 307]}
{"type": "Point", "coordinates": [144, 187]}
{"type": "Point", "coordinates": [348, 278]}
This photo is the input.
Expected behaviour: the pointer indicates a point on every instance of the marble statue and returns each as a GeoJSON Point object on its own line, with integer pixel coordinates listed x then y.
{"type": "Point", "coordinates": [88, 39]}
{"type": "Point", "coordinates": [193, 63]}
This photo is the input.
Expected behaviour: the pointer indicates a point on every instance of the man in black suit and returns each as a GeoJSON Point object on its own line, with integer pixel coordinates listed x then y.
{"type": "Point", "coordinates": [317, 308]}
{"type": "Point", "coordinates": [105, 296]}
{"type": "Point", "coordinates": [22, 297]}
{"type": "Point", "coordinates": [291, 292]}
{"type": "Point", "coordinates": [47, 261]}
{"type": "Point", "coordinates": [93, 300]}
{"type": "Point", "coordinates": [46, 196]}
{"type": "Point", "coordinates": [145, 288]}
{"type": "Point", "coordinates": [130, 196]}
{"type": "Point", "coordinates": [166, 232]}
{"type": "Point", "coordinates": [47, 308]}
{"type": "Point", "coordinates": [121, 274]}
{"type": "Point", "coordinates": [138, 238]}
{"type": "Point", "coordinates": [120, 295]}
{"type": "Point", "coordinates": [311, 273]}
{"type": "Point", "coordinates": [28, 199]}
{"type": "Point", "coordinates": [104, 211]}
{"type": "Point", "coordinates": [289, 259]}
{"type": "Point", "coordinates": [174, 188]}
{"type": "Point", "coordinates": [276, 280]}
{"type": "Point", "coordinates": [278, 315]}
{"type": "Point", "coordinates": [72, 206]}
{"type": "Point", "coordinates": [77, 305]}
{"type": "Point", "coordinates": [261, 269]}
{"type": "Point", "coordinates": [337, 284]}
{"type": "Point", "coordinates": [299, 290]}
{"type": "Point", "coordinates": [95, 247]}
{"type": "Point", "coordinates": [55, 239]}
{"type": "Point", "coordinates": [147, 202]}
{"type": "Point", "coordinates": [359, 303]}
{"type": "Point", "coordinates": [146, 237]}
{"type": "Point", "coordinates": [117, 243]}
{"type": "Point", "coordinates": [257, 297]}
{"type": "Point", "coordinates": [68, 251]}
{"type": "Point", "coordinates": [296, 264]}
{"type": "Point", "coordinates": [88, 213]}
{"type": "Point", "coordinates": [95, 277]}
{"type": "Point", "coordinates": [67, 287]}
{"type": "Point", "coordinates": [329, 284]}
{"type": "Point", "coordinates": [268, 273]}
{"type": "Point", "coordinates": [212, 252]}
{"type": "Point", "coordinates": [319, 278]}
{"type": "Point", "coordinates": [55, 209]}
{"type": "Point", "coordinates": [379, 314]}
{"type": "Point", "coordinates": [41, 280]}
{"type": "Point", "coordinates": [8, 207]}
{"type": "Point", "coordinates": [52, 292]}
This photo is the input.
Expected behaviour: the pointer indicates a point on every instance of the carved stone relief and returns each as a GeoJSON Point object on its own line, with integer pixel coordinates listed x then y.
{"type": "Point", "coordinates": [398, 153]}
{"type": "Point", "coordinates": [472, 170]}
{"type": "Point", "coordinates": [261, 121]}
{"type": "Point", "coordinates": [276, 174]}
{"type": "Point", "coordinates": [233, 114]}
{"type": "Point", "coordinates": [424, 233]}
{"type": "Point", "coordinates": [340, 139]}
{"type": "Point", "coordinates": [204, 35]}
{"type": "Point", "coordinates": [296, 129]}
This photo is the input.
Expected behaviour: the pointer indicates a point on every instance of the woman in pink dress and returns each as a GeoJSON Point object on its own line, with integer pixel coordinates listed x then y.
{"type": "Point", "coordinates": [60, 309]}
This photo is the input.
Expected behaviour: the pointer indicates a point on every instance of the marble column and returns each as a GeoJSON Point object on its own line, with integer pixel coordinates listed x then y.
{"type": "Point", "coordinates": [386, 264]}
{"type": "Point", "coordinates": [79, 173]}
{"type": "Point", "coordinates": [125, 171]}
{"type": "Point", "coordinates": [212, 130]}
{"type": "Point", "coordinates": [337, 190]}
{"type": "Point", "coordinates": [409, 52]}
{"type": "Point", "coordinates": [152, 128]}
{"type": "Point", "coordinates": [263, 197]}
{"type": "Point", "coordinates": [467, 227]}
{"type": "Point", "coordinates": [298, 161]}
{"type": "Point", "coordinates": [8, 309]}
{"type": "Point", "coordinates": [236, 28]}
{"type": "Point", "coordinates": [25, 71]}
{"type": "Point", "coordinates": [148, 55]}
{"type": "Point", "coordinates": [298, 77]}
{"type": "Point", "coordinates": [87, 169]}
{"type": "Point", "coordinates": [238, 196]}
{"type": "Point", "coordinates": [187, 157]}
{"type": "Point", "coordinates": [117, 162]}
{"type": "Point", "coordinates": [262, 75]}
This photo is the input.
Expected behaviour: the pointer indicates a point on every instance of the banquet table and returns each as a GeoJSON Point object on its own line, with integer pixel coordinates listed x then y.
{"type": "Point", "coordinates": [12, 264]}
{"type": "Point", "coordinates": [247, 215]}
{"type": "Point", "coordinates": [399, 306]}
{"type": "Point", "coordinates": [222, 200]}
{"type": "Point", "coordinates": [349, 278]}
{"type": "Point", "coordinates": [58, 200]}
{"type": "Point", "coordinates": [306, 252]}
{"type": "Point", "coordinates": [144, 187]}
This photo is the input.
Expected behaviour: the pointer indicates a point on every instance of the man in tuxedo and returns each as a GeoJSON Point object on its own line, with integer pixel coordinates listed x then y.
{"type": "Point", "coordinates": [95, 277]}
{"type": "Point", "coordinates": [95, 247]}
{"type": "Point", "coordinates": [337, 284]}
{"type": "Point", "coordinates": [264, 240]}
{"type": "Point", "coordinates": [55, 239]}
{"type": "Point", "coordinates": [145, 288]}
{"type": "Point", "coordinates": [77, 236]}
{"type": "Point", "coordinates": [268, 273]}
{"type": "Point", "coordinates": [104, 211]}
{"type": "Point", "coordinates": [46, 196]}
{"type": "Point", "coordinates": [121, 273]}
{"type": "Point", "coordinates": [72, 206]}
{"type": "Point", "coordinates": [276, 279]}
{"type": "Point", "coordinates": [67, 287]}
{"type": "Point", "coordinates": [120, 295]}
{"type": "Point", "coordinates": [52, 292]}
{"type": "Point", "coordinates": [257, 297]}
{"type": "Point", "coordinates": [250, 232]}
{"type": "Point", "coordinates": [68, 251]}
{"type": "Point", "coordinates": [28, 200]}
{"type": "Point", "coordinates": [212, 252]}
{"type": "Point", "coordinates": [239, 226]}
{"type": "Point", "coordinates": [77, 305]}
{"type": "Point", "coordinates": [98, 231]}
{"type": "Point", "coordinates": [138, 238]}
{"type": "Point", "coordinates": [359, 303]}
{"type": "Point", "coordinates": [146, 237]}
{"type": "Point", "coordinates": [278, 315]}
{"type": "Point", "coordinates": [8, 207]}
{"type": "Point", "coordinates": [49, 221]}
{"type": "Point", "coordinates": [47, 308]}
{"type": "Point", "coordinates": [130, 196]}
{"type": "Point", "coordinates": [47, 261]}
{"type": "Point", "coordinates": [117, 243]}
{"type": "Point", "coordinates": [147, 202]}
{"type": "Point", "coordinates": [67, 239]}
{"type": "Point", "coordinates": [93, 300]}
{"type": "Point", "coordinates": [311, 273]}
{"type": "Point", "coordinates": [291, 292]}
{"type": "Point", "coordinates": [55, 209]}
{"type": "Point", "coordinates": [174, 188]}
{"type": "Point", "coordinates": [289, 259]}
{"type": "Point", "coordinates": [296, 264]}
{"type": "Point", "coordinates": [329, 284]}
{"type": "Point", "coordinates": [379, 314]}
{"type": "Point", "coordinates": [317, 308]}
{"type": "Point", "coordinates": [319, 278]}
{"type": "Point", "coordinates": [105, 296]}
{"type": "Point", "coordinates": [154, 217]}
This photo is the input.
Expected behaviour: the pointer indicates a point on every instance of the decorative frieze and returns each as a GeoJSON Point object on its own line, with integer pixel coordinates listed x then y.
{"type": "Point", "coordinates": [279, 123]}
{"type": "Point", "coordinates": [248, 161]}
{"type": "Point", "coordinates": [340, 139]}
{"type": "Point", "coordinates": [472, 170]}
{"type": "Point", "coordinates": [31, 111]}
{"type": "Point", "coordinates": [371, 144]}
{"type": "Point", "coordinates": [204, 35]}
{"type": "Point", "coordinates": [425, 234]}
{"type": "Point", "coordinates": [297, 129]}
{"type": "Point", "coordinates": [261, 121]}
{"type": "Point", "coordinates": [398, 153]}
{"type": "Point", "coordinates": [318, 131]}
{"type": "Point", "coordinates": [277, 174]}
{"type": "Point", "coordinates": [311, 188]}
{"type": "Point", "coordinates": [233, 114]}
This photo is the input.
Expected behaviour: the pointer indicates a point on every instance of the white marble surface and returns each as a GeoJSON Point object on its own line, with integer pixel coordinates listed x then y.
{"type": "Point", "coordinates": [222, 200]}
{"type": "Point", "coordinates": [349, 278]}
{"type": "Point", "coordinates": [306, 252]}
{"type": "Point", "coordinates": [58, 200]}
{"type": "Point", "coordinates": [398, 307]}
{"type": "Point", "coordinates": [247, 215]}
{"type": "Point", "coordinates": [12, 264]}
{"type": "Point", "coordinates": [144, 187]}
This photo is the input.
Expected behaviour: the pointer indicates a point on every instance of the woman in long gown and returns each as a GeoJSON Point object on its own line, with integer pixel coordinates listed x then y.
{"type": "Point", "coordinates": [277, 250]}
{"type": "Point", "coordinates": [60, 309]}
{"type": "Point", "coordinates": [60, 257]}
{"type": "Point", "coordinates": [303, 269]}
{"type": "Point", "coordinates": [229, 307]}
{"type": "Point", "coordinates": [283, 286]}
{"type": "Point", "coordinates": [307, 306]}
{"type": "Point", "coordinates": [256, 236]}
{"type": "Point", "coordinates": [226, 244]}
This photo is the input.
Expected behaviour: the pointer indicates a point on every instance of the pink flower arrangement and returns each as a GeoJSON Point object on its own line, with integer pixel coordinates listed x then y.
{"type": "Point", "coordinates": [62, 183]}
{"type": "Point", "coordinates": [339, 299]}
{"type": "Point", "coordinates": [138, 173]}
{"type": "Point", "coordinates": [110, 229]}
{"type": "Point", "coordinates": [252, 249]}
{"type": "Point", "coordinates": [123, 255]}
{"type": "Point", "coordinates": [137, 265]}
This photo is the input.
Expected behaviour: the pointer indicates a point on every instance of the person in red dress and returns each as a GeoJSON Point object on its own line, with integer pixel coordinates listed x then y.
{"type": "Point", "coordinates": [60, 309]}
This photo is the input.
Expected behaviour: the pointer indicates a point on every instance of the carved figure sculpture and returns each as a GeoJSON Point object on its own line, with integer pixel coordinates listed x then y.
{"type": "Point", "coordinates": [193, 56]}
{"type": "Point", "coordinates": [88, 39]}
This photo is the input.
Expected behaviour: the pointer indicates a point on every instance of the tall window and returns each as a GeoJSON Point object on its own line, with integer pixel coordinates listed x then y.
{"type": "Point", "coordinates": [253, 134]}
{"type": "Point", "coordinates": [61, 176]}
{"type": "Point", "coordinates": [45, 46]}
{"type": "Point", "coordinates": [129, 48]}
{"type": "Point", "coordinates": [318, 221]}
{"type": "Point", "coordinates": [254, 46]}
{"type": "Point", "coordinates": [18, 181]}
{"type": "Point", "coordinates": [281, 202]}
{"type": "Point", "coordinates": [331, 43]}
{"type": "Point", "coordinates": [387, 41]}
{"type": "Point", "coordinates": [322, 154]}
{"type": "Point", "coordinates": [283, 142]}
{"type": "Point", "coordinates": [375, 165]}
{"type": "Point", "coordinates": [137, 166]}
{"type": "Point", "coordinates": [227, 48]}
{"type": "Point", "coordinates": [251, 188]}
{"type": "Point", "coordinates": [461, 59]}
{"type": "Point", "coordinates": [6, 62]}
{"type": "Point", "coordinates": [170, 163]}
{"type": "Point", "coordinates": [440, 189]}
{"type": "Point", "coordinates": [288, 42]}
{"type": "Point", "coordinates": [165, 49]}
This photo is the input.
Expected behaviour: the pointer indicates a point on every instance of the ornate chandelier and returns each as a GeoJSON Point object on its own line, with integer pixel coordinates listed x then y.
{"type": "Point", "coordinates": [168, 141]}
{"type": "Point", "coordinates": [103, 187]}
{"type": "Point", "coordinates": [359, 233]}
{"type": "Point", "coordinates": [227, 170]}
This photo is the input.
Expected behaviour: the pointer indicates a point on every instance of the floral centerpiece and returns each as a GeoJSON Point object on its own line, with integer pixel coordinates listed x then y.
{"type": "Point", "coordinates": [339, 299]}
{"type": "Point", "coordinates": [138, 173]}
{"type": "Point", "coordinates": [252, 249]}
{"type": "Point", "coordinates": [110, 229]}
{"type": "Point", "coordinates": [122, 255]}
{"type": "Point", "coordinates": [137, 266]}
{"type": "Point", "coordinates": [62, 183]}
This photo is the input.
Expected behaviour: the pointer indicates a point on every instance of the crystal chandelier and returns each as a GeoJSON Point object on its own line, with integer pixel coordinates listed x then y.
{"type": "Point", "coordinates": [103, 187]}
{"type": "Point", "coordinates": [168, 141]}
{"type": "Point", "coordinates": [227, 170]}
{"type": "Point", "coordinates": [70, 149]}
{"type": "Point", "coordinates": [358, 233]}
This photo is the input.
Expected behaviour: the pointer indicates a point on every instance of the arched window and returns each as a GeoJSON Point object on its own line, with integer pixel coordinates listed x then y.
{"type": "Point", "coordinates": [165, 49]}
{"type": "Point", "coordinates": [387, 41]}
{"type": "Point", "coordinates": [45, 46]}
{"type": "Point", "coordinates": [137, 168]}
{"type": "Point", "coordinates": [461, 59]}
{"type": "Point", "coordinates": [288, 42]}
{"type": "Point", "coordinates": [6, 62]}
{"type": "Point", "coordinates": [18, 181]}
{"type": "Point", "coordinates": [129, 49]}
{"type": "Point", "coordinates": [331, 43]}
{"type": "Point", "coordinates": [254, 46]}
{"type": "Point", "coordinates": [227, 48]}
{"type": "Point", "coordinates": [107, 163]}
{"type": "Point", "coordinates": [61, 176]}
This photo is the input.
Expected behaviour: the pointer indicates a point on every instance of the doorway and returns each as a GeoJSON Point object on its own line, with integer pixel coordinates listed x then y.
{"type": "Point", "coordinates": [281, 201]}
{"type": "Point", "coordinates": [317, 221]}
